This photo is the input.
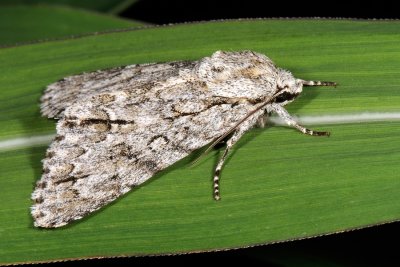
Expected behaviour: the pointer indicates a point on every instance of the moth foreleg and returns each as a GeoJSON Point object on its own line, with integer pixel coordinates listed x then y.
{"type": "Point", "coordinates": [289, 120]}
{"type": "Point", "coordinates": [262, 121]}
{"type": "Point", "coordinates": [229, 144]}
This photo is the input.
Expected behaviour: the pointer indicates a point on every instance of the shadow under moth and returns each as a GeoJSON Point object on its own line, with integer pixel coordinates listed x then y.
{"type": "Point", "coordinates": [118, 127]}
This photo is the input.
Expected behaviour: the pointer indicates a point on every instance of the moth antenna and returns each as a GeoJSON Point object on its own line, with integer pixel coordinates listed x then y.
{"type": "Point", "coordinates": [233, 128]}
{"type": "Point", "coordinates": [317, 83]}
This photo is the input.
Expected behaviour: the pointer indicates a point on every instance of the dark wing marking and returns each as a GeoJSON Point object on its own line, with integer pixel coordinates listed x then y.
{"type": "Point", "coordinates": [133, 78]}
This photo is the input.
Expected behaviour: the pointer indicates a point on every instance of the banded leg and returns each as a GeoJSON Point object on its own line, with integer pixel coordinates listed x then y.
{"type": "Point", "coordinates": [235, 137]}
{"type": "Point", "coordinates": [281, 111]}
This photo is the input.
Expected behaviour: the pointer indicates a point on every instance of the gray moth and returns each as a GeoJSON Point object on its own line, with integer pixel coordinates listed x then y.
{"type": "Point", "coordinates": [118, 127]}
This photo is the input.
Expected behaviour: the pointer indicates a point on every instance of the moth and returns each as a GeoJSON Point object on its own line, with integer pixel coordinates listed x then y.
{"type": "Point", "coordinates": [118, 127]}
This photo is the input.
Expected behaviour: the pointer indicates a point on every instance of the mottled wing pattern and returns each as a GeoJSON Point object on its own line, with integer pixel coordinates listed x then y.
{"type": "Point", "coordinates": [133, 78]}
{"type": "Point", "coordinates": [114, 139]}
{"type": "Point", "coordinates": [120, 126]}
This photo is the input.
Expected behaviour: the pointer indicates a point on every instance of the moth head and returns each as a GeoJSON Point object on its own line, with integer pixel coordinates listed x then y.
{"type": "Point", "coordinates": [287, 87]}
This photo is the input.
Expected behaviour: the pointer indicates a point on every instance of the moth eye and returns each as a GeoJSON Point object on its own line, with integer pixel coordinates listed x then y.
{"type": "Point", "coordinates": [286, 96]}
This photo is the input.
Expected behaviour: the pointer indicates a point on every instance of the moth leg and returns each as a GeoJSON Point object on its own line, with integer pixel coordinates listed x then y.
{"type": "Point", "coordinates": [281, 111]}
{"type": "Point", "coordinates": [262, 121]}
{"type": "Point", "coordinates": [234, 138]}
{"type": "Point", "coordinates": [317, 83]}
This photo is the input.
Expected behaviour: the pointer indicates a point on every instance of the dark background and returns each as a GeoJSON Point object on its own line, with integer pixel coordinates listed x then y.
{"type": "Point", "coordinates": [374, 246]}
{"type": "Point", "coordinates": [173, 11]}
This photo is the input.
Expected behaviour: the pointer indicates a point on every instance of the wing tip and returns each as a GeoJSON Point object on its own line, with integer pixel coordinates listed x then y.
{"type": "Point", "coordinates": [43, 219]}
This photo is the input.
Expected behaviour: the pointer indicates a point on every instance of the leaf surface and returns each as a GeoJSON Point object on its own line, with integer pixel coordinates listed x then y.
{"type": "Point", "coordinates": [277, 184]}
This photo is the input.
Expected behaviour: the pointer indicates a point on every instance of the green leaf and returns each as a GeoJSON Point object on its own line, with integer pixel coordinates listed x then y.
{"type": "Point", "coordinates": [29, 23]}
{"type": "Point", "coordinates": [109, 6]}
{"type": "Point", "coordinates": [277, 184]}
